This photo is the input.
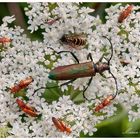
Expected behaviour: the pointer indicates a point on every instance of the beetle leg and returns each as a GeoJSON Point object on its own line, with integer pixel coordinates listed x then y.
{"type": "Point", "coordinates": [75, 57]}
{"type": "Point", "coordinates": [116, 83]}
{"type": "Point", "coordinates": [89, 56]}
{"type": "Point", "coordinates": [89, 82]}
{"type": "Point", "coordinates": [38, 89]}
{"type": "Point", "coordinates": [66, 83]}
{"type": "Point", "coordinates": [111, 49]}
{"type": "Point", "coordinates": [102, 57]}
{"type": "Point", "coordinates": [106, 59]}
{"type": "Point", "coordinates": [104, 76]}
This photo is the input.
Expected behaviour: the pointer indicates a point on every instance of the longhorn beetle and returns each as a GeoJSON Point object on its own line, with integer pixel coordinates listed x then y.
{"type": "Point", "coordinates": [80, 70]}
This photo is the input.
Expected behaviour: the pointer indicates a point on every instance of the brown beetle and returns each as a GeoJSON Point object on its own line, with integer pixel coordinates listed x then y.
{"type": "Point", "coordinates": [124, 14]}
{"type": "Point", "coordinates": [60, 125]}
{"type": "Point", "coordinates": [22, 84]}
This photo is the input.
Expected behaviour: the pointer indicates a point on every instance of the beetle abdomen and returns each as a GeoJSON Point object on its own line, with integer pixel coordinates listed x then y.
{"type": "Point", "coordinates": [78, 41]}
{"type": "Point", "coordinates": [73, 71]}
{"type": "Point", "coordinates": [74, 40]}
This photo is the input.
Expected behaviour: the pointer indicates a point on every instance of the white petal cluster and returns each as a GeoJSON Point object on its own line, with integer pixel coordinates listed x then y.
{"type": "Point", "coordinates": [22, 58]}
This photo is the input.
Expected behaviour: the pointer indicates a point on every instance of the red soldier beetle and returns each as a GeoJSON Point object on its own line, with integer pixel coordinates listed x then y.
{"type": "Point", "coordinates": [124, 14]}
{"type": "Point", "coordinates": [22, 84]}
{"type": "Point", "coordinates": [60, 125]}
{"type": "Point", "coordinates": [4, 40]}
{"type": "Point", "coordinates": [26, 108]}
{"type": "Point", "coordinates": [104, 103]}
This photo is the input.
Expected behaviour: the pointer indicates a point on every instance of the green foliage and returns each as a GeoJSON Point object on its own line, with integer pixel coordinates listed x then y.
{"type": "Point", "coordinates": [53, 92]}
{"type": "Point", "coordinates": [133, 129]}
{"type": "Point", "coordinates": [4, 131]}
{"type": "Point", "coordinates": [117, 126]}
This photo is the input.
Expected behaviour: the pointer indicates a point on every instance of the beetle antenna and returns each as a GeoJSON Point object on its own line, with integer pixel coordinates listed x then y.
{"type": "Point", "coordinates": [44, 88]}
{"type": "Point", "coordinates": [66, 83]}
{"type": "Point", "coordinates": [111, 49]}
{"type": "Point", "coordinates": [115, 79]}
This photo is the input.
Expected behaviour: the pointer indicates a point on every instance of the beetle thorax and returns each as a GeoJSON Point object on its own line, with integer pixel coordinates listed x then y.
{"type": "Point", "coordinates": [101, 67]}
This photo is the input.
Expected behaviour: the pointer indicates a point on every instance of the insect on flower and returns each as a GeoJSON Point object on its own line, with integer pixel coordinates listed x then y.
{"type": "Point", "coordinates": [124, 62]}
{"type": "Point", "coordinates": [124, 14]}
{"type": "Point", "coordinates": [76, 41]}
{"type": "Point", "coordinates": [4, 40]}
{"type": "Point", "coordinates": [27, 109]}
{"type": "Point", "coordinates": [60, 125]}
{"type": "Point", "coordinates": [22, 84]}
{"type": "Point", "coordinates": [52, 21]}
{"type": "Point", "coordinates": [104, 103]}
{"type": "Point", "coordinates": [80, 70]}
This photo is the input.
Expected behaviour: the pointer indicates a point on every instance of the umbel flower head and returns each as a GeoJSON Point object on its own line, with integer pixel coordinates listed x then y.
{"type": "Point", "coordinates": [25, 58]}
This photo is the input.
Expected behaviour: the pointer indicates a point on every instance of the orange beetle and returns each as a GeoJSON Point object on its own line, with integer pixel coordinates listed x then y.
{"type": "Point", "coordinates": [60, 125]}
{"type": "Point", "coordinates": [50, 22]}
{"type": "Point", "coordinates": [27, 109]}
{"type": "Point", "coordinates": [22, 84]}
{"type": "Point", "coordinates": [4, 40]}
{"type": "Point", "coordinates": [124, 14]}
{"type": "Point", "coordinates": [104, 103]}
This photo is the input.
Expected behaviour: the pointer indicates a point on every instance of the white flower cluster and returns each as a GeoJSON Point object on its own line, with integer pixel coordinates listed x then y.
{"type": "Point", "coordinates": [21, 59]}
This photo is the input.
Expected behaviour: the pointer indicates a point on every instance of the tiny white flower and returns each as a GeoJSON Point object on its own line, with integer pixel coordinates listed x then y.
{"type": "Point", "coordinates": [8, 19]}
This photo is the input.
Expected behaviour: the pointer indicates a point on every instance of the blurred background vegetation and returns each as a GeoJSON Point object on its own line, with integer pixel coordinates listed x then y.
{"type": "Point", "coordinates": [116, 126]}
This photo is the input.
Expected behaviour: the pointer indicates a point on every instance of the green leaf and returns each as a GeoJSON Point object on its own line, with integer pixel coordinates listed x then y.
{"type": "Point", "coordinates": [52, 94]}
{"type": "Point", "coordinates": [77, 96]}
{"type": "Point", "coordinates": [4, 132]}
{"type": "Point", "coordinates": [22, 93]}
{"type": "Point", "coordinates": [111, 127]}
{"type": "Point", "coordinates": [133, 129]}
